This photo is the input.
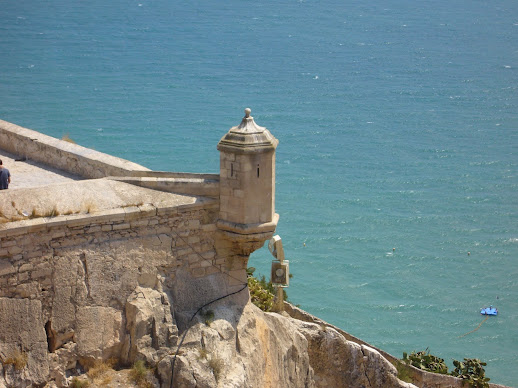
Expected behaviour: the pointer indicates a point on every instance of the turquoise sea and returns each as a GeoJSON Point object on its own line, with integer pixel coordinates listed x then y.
{"type": "Point", "coordinates": [398, 128]}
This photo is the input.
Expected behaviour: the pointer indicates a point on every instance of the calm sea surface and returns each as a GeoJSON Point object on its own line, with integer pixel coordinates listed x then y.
{"type": "Point", "coordinates": [398, 128]}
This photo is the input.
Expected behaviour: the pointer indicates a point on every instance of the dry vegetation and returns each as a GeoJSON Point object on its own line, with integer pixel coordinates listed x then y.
{"type": "Point", "coordinates": [17, 359]}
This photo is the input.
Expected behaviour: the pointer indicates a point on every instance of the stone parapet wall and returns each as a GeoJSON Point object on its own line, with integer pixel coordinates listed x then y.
{"type": "Point", "coordinates": [193, 184]}
{"type": "Point", "coordinates": [62, 155]}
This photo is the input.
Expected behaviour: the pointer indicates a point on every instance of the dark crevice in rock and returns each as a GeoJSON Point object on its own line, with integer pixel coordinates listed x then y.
{"type": "Point", "coordinates": [82, 258]}
{"type": "Point", "coordinates": [155, 334]}
{"type": "Point", "coordinates": [238, 345]}
{"type": "Point", "coordinates": [365, 369]}
{"type": "Point", "coordinates": [51, 337]}
{"type": "Point", "coordinates": [202, 341]}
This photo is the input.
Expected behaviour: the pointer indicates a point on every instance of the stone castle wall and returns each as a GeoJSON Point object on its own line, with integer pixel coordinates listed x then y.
{"type": "Point", "coordinates": [112, 284]}
{"type": "Point", "coordinates": [116, 280]}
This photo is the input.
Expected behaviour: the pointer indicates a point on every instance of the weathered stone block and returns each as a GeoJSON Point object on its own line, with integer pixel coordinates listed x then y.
{"type": "Point", "coordinates": [208, 255]}
{"type": "Point", "coordinates": [149, 323]}
{"type": "Point", "coordinates": [33, 254]}
{"type": "Point", "coordinates": [139, 223]}
{"type": "Point", "coordinates": [193, 240]}
{"type": "Point", "coordinates": [122, 226]}
{"type": "Point", "coordinates": [27, 290]}
{"type": "Point", "coordinates": [132, 213]}
{"type": "Point", "coordinates": [22, 277]}
{"type": "Point", "coordinates": [14, 250]}
{"type": "Point", "coordinates": [93, 229]}
{"type": "Point", "coordinates": [147, 210]}
{"type": "Point", "coordinates": [237, 277]}
{"type": "Point", "coordinates": [23, 328]}
{"type": "Point", "coordinates": [211, 270]}
{"type": "Point", "coordinates": [198, 272]}
{"type": "Point", "coordinates": [163, 229]}
{"type": "Point", "coordinates": [99, 332]}
{"type": "Point", "coordinates": [6, 268]}
{"type": "Point", "coordinates": [7, 243]}
{"type": "Point", "coordinates": [239, 193]}
{"type": "Point", "coordinates": [41, 273]}
{"type": "Point", "coordinates": [58, 234]}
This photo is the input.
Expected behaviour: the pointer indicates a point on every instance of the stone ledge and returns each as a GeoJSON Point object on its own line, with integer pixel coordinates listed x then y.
{"type": "Point", "coordinates": [249, 229]}
{"type": "Point", "coordinates": [182, 183]}
{"type": "Point", "coordinates": [17, 228]}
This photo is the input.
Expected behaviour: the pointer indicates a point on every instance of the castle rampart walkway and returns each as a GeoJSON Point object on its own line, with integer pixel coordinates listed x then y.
{"type": "Point", "coordinates": [28, 173]}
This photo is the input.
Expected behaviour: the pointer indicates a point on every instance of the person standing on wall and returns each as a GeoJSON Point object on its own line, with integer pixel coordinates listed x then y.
{"type": "Point", "coordinates": [5, 177]}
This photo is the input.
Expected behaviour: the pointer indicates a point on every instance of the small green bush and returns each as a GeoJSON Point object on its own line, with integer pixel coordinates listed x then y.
{"type": "Point", "coordinates": [262, 293]}
{"type": "Point", "coordinates": [471, 370]}
{"type": "Point", "coordinates": [260, 296]}
{"type": "Point", "coordinates": [208, 316]}
{"type": "Point", "coordinates": [426, 361]}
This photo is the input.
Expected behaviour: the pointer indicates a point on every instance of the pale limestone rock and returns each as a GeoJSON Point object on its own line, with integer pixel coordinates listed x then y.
{"type": "Point", "coordinates": [108, 277]}
{"type": "Point", "coordinates": [23, 334]}
{"type": "Point", "coordinates": [242, 347]}
{"type": "Point", "coordinates": [98, 332]}
{"type": "Point", "coordinates": [149, 324]}
{"type": "Point", "coordinates": [2, 380]}
{"type": "Point", "coordinates": [338, 362]}
{"type": "Point", "coordinates": [69, 291]}
{"type": "Point", "coordinates": [61, 361]}
{"type": "Point", "coordinates": [249, 348]}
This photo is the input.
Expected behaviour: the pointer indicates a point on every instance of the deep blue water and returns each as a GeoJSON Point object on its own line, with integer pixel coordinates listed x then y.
{"type": "Point", "coordinates": [398, 128]}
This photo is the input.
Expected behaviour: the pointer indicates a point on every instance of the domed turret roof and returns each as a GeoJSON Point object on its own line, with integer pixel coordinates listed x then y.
{"type": "Point", "coordinates": [248, 137]}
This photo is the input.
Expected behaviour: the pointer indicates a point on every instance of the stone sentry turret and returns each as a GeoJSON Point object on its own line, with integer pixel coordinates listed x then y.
{"type": "Point", "coordinates": [247, 184]}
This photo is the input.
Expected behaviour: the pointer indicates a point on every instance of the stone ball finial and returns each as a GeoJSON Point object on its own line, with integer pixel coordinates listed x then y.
{"type": "Point", "coordinates": [247, 112]}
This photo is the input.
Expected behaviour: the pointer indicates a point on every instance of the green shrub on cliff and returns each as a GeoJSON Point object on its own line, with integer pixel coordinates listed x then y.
{"type": "Point", "coordinates": [259, 295]}
{"type": "Point", "coordinates": [472, 371]}
{"type": "Point", "coordinates": [426, 361]}
{"type": "Point", "coordinates": [262, 292]}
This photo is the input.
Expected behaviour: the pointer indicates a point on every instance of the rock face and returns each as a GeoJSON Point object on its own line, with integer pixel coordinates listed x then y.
{"type": "Point", "coordinates": [227, 346]}
{"type": "Point", "coordinates": [338, 362]}
{"type": "Point", "coordinates": [150, 326]}
{"type": "Point", "coordinates": [249, 348]}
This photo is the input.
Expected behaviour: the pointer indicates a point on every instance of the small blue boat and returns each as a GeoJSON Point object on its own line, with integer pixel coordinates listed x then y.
{"type": "Point", "coordinates": [489, 311]}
